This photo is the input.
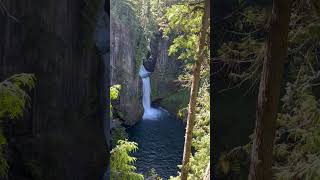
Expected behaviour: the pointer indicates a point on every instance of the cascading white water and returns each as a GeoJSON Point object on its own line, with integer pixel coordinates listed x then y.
{"type": "Point", "coordinates": [149, 112]}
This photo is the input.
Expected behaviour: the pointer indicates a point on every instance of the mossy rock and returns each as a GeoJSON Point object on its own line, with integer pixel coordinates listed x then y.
{"type": "Point", "coordinates": [176, 101]}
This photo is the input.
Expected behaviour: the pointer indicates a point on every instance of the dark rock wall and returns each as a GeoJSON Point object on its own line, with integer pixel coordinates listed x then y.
{"type": "Point", "coordinates": [124, 71]}
{"type": "Point", "coordinates": [164, 78]}
{"type": "Point", "coordinates": [63, 130]}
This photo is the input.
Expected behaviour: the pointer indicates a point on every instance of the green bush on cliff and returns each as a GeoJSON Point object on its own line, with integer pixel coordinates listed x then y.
{"type": "Point", "coordinates": [121, 163]}
{"type": "Point", "coordinates": [13, 100]}
{"type": "Point", "coordinates": [114, 94]}
{"type": "Point", "coordinates": [118, 134]}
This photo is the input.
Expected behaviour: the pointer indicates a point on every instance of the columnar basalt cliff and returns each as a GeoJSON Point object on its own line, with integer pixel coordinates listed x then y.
{"type": "Point", "coordinates": [165, 75]}
{"type": "Point", "coordinates": [62, 133]}
{"type": "Point", "coordinates": [164, 70]}
{"type": "Point", "coordinates": [123, 66]}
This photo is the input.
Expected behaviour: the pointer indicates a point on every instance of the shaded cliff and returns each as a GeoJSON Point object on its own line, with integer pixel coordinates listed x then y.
{"type": "Point", "coordinates": [61, 136]}
{"type": "Point", "coordinates": [165, 71]}
{"type": "Point", "coordinates": [123, 65]}
{"type": "Point", "coordinates": [165, 75]}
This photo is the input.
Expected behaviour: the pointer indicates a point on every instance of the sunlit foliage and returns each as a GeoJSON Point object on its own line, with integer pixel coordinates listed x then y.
{"type": "Point", "coordinates": [183, 21]}
{"type": "Point", "coordinates": [121, 163]}
{"type": "Point", "coordinates": [201, 132]}
{"type": "Point", "coordinates": [114, 94]}
{"type": "Point", "coordinates": [152, 175]}
{"type": "Point", "coordinates": [117, 134]}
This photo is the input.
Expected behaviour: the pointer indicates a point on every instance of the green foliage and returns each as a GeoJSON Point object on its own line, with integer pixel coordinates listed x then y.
{"type": "Point", "coordinates": [297, 148]}
{"type": "Point", "coordinates": [183, 21]}
{"type": "Point", "coordinates": [118, 134]}
{"type": "Point", "coordinates": [201, 135]}
{"type": "Point", "coordinates": [304, 28]}
{"type": "Point", "coordinates": [114, 91]}
{"type": "Point", "coordinates": [179, 100]}
{"type": "Point", "coordinates": [121, 164]}
{"type": "Point", "coordinates": [137, 15]}
{"type": "Point", "coordinates": [13, 101]}
{"type": "Point", "coordinates": [248, 29]}
{"type": "Point", "coordinates": [13, 98]}
{"type": "Point", "coordinates": [152, 175]}
{"type": "Point", "coordinates": [234, 163]}
{"type": "Point", "coordinates": [296, 151]}
{"type": "Point", "coordinates": [114, 94]}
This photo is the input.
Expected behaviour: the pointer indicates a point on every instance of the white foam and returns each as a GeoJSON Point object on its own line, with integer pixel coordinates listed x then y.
{"type": "Point", "coordinates": [149, 112]}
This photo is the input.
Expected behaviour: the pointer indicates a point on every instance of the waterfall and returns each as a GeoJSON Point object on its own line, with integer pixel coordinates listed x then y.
{"type": "Point", "coordinates": [149, 112]}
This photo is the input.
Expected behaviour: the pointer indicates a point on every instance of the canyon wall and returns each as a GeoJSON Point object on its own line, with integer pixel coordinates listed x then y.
{"type": "Point", "coordinates": [61, 135]}
{"type": "Point", "coordinates": [164, 78]}
{"type": "Point", "coordinates": [124, 71]}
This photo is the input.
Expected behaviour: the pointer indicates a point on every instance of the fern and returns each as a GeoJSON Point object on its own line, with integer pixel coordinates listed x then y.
{"type": "Point", "coordinates": [13, 98]}
{"type": "Point", "coordinates": [13, 101]}
{"type": "Point", "coordinates": [121, 164]}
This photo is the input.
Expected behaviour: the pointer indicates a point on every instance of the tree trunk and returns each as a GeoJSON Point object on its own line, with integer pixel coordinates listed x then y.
{"type": "Point", "coordinates": [269, 91]}
{"type": "Point", "coordinates": [194, 91]}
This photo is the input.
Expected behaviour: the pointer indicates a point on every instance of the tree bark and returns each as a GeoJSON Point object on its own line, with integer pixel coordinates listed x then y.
{"type": "Point", "coordinates": [194, 91]}
{"type": "Point", "coordinates": [269, 92]}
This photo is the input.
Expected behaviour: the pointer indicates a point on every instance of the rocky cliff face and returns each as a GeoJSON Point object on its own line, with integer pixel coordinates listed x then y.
{"type": "Point", "coordinates": [62, 134]}
{"type": "Point", "coordinates": [164, 78]}
{"type": "Point", "coordinates": [124, 71]}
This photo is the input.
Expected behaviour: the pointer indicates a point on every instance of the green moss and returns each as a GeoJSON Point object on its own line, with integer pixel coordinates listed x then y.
{"type": "Point", "coordinates": [154, 90]}
{"type": "Point", "coordinates": [141, 49]}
